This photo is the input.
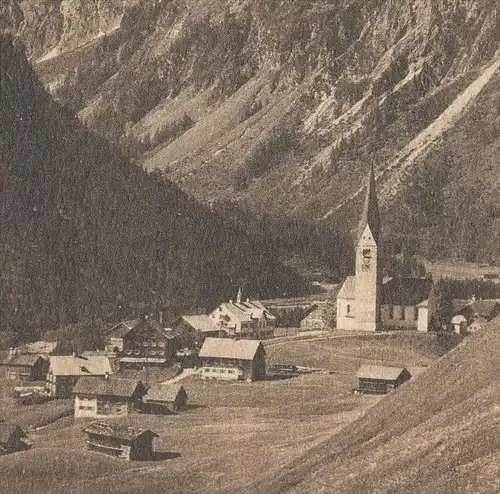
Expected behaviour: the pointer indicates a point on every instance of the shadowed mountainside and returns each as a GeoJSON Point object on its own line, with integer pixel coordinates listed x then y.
{"type": "Point", "coordinates": [84, 231]}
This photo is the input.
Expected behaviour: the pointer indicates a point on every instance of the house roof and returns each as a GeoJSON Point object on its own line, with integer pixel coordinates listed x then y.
{"type": "Point", "coordinates": [380, 372]}
{"type": "Point", "coordinates": [152, 324]}
{"type": "Point", "coordinates": [116, 430]}
{"type": "Point", "coordinates": [164, 392]}
{"type": "Point", "coordinates": [39, 347]}
{"type": "Point", "coordinates": [370, 215]}
{"type": "Point", "coordinates": [485, 308]}
{"type": "Point", "coordinates": [7, 430]}
{"type": "Point", "coordinates": [236, 312]}
{"type": "Point", "coordinates": [229, 348]}
{"type": "Point", "coordinates": [348, 289]}
{"type": "Point", "coordinates": [122, 328]}
{"type": "Point", "coordinates": [143, 360]}
{"type": "Point", "coordinates": [80, 365]}
{"type": "Point", "coordinates": [113, 386]}
{"type": "Point", "coordinates": [322, 308]}
{"type": "Point", "coordinates": [22, 360]}
{"type": "Point", "coordinates": [406, 291]}
{"type": "Point", "coordinates": [201, 322]}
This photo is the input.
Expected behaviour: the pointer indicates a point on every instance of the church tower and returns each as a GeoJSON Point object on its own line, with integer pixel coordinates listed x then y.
{"type": "Point", "coordinates": [368, 276]}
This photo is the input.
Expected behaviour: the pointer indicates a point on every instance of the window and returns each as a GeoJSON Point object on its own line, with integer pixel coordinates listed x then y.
{"type": "Point", "coordinates": [348, 308]}
{"type": "Point", "coordinates": [391, 312]}
{"type": "Point", "coordinates": [415, 315]}
{"type": "Point", "coordinates": [86, 407]}
{"type": "Point", "coordinates": [402, 314]}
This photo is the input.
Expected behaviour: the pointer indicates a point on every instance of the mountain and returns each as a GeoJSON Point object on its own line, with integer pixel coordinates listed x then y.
{"type": "Point", "coordinates": [438, 433]}
{"type": "Point", "coordinates": [85, 231]}
{"type": "Point", "coordinates": [281, 106]}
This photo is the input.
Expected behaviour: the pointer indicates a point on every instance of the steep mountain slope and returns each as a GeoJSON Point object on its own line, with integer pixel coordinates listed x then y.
{"type": "Point", "coordinates": [84, 230]}
{"type": "Point", "coordinates": [438, 433]}
{"type": "Point", "coordinates": [282, 105]}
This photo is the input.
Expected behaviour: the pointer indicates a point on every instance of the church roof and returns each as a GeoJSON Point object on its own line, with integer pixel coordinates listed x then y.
{"type": "Point", "coordinates": [370, 215]}
{"type": "Point", "coordinates": [348, 289]}
{"type": "Point", "coordinates": [406, 291]}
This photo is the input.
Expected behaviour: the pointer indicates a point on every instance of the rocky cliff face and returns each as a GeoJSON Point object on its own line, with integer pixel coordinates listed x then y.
{"type": "Point", "coordinates": [282, 105]}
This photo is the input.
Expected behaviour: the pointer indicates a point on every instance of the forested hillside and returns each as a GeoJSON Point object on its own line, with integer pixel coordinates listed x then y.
{"type": "Point", "coordinates": [84, 230]}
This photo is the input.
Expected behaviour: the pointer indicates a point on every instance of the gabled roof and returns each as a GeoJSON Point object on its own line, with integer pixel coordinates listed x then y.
{"type": "Point", "coordinates": [80, 366]}
{"type": "Point", "coordinates": [200, 322]}
{"type": "Point", "coordinates": [8, 430]}
{"type": "Point", "coordinates": [22, 360]}
{"type": "Point", "coordinates": [122, 328]}
{"type": "Point", "coordinates": [405, 291]}
{"type": "Point", "coordinates": [116, 430]}
{"type": "Point", "coordinates": [164, 392]}
{"type": "Point", "coordinates": [324, 308]}
{"type": "Point", "coordinates": [348, 289]}
{"type": "Point", "coordinates": [150, 323]}
{"type": "Point", "coordinates": [370, 215]}
{"type": "Point", "coordinates": [236, 312]}
{"type": "Point", "coordinates": [380, 372]}
{"type": "Point", "coordinates": [485, 308]}
{"type": "Point", "coordinates": [112, 386]}
{"type": "Point", "coordinates": [229, 348]}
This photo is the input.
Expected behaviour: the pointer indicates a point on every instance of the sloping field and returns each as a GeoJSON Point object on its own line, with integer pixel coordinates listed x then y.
{"type": "Point", "coordinates": [344, 354]}
{"type": "Point", "coordinates": [439, 434]}
{"type": "Point", "coordinates": [234, 436]}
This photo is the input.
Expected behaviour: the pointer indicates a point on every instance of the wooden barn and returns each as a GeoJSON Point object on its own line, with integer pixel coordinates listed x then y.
{"type": "Point", "coordinates": [97, 396]}
{"type": "Point", "coordinates": [25, 367]}
{"type": "Point", "coordinates": [13, 439]}
{"type": "Point", "coordinates": [321, 315]}
{"type": "Point", "coordinates": [378, 379]}
{"type": "Point", "coordinates": [64, 372]}
{"type": "Point", "coordinates": [127, 443]}
{"type": "Point", "coordinates": [165, 398]}
{"type": "Point", "coordinates": [227, 359]}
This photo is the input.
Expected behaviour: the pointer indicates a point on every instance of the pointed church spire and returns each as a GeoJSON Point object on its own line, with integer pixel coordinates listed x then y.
{"type": "Point", "coordinates": [238, 296]}
{"type": "Point", "coordinates": [370, 215]}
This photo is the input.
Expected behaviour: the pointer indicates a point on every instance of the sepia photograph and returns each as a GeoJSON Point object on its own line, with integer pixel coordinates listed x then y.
{"type": "Point", "coordinates": [250, 246]}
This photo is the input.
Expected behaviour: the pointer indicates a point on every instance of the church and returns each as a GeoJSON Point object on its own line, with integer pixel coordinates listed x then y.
{"type": "Point", "coordinates": [369, 302]}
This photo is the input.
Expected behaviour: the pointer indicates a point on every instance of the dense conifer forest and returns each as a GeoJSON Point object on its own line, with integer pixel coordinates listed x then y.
{"type": "Point", "coordinates": [88, 235]}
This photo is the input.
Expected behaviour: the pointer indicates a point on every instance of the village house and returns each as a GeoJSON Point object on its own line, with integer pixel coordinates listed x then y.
{"type": "Point", "coordinates": [25, 367]}
{"type": "Point", "coordinates": [64, 372]}
{"type": "Point", "coordinates": [249, 319]}
{"type": "Point", "coordinates": [165, 398]}
{"type": "Point", "coordinates": [367, 302]}
{"type": "Point", "coordinates": [476, 312]}
{"type": "Point", "coordinates": [114, 336]}
{"type": "Point", "coordinates": [127, 443]}
{"type": "Point", "coordinates": [320, 315]}
{"type": "Point", "coordinates": [143, 342]}
{"type": "Point", "coordinates": [378, 379]}
{"type": "Point", "coordinates": [230, 359]}
{"type": "Point", "coordinates": [106, 396]}
{"type": "Point", "coordinates": [459, 324]}
{"type": "Point", "coordinates": [13, 439]}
